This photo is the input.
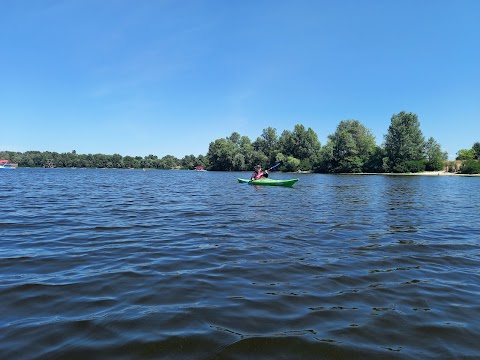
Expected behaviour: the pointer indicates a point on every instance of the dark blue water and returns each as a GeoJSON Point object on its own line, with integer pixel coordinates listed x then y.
{"type": "Point", "coordinates": [118, 264]}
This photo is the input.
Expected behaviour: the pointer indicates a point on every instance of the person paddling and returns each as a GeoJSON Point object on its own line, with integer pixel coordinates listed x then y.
{"type": "Point", "coordinates": [259, 174]}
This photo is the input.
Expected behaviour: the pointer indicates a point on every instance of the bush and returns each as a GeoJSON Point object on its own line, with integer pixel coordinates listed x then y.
{"type": "Point", "coordinates": [435, 165]}
{"type": "Point", "coordinates": [375, 162]}
{"type": "Point", "coordinates": [411, 166]}
{"type": "Point", "coordinates": [291, 164]}
{"type": "Point", "coordinates": [470, 167]}
{"type": "Point", "coordinates": [305, 165]}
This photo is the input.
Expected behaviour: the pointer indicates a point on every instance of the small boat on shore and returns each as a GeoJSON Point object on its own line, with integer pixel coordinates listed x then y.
{"type": "Point", "coordinates": [6, 164]}
{"type": "Point", "coordinates": [269, 182]}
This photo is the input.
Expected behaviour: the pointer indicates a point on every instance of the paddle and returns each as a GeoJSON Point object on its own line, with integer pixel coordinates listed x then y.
{"type": "Point", "coordinates": [273, 167]}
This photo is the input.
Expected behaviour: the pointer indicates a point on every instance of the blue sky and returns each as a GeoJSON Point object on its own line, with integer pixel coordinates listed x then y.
{"type": "Point", "coordinates": [140, 77]}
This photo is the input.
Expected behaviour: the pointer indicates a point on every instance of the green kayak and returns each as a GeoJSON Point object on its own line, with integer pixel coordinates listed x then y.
{"type": "Point", "coordinates": [269, 182]}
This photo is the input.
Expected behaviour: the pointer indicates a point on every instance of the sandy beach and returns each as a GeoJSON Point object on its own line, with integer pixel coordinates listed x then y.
{"type": "Point", "coordinates": [436, 173]}
{"type": "Point", "coordinates": [430, 173]}
{"type": "Point", "coordinates": [423, 173]}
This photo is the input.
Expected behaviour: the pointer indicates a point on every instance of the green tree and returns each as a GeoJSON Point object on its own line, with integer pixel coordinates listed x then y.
{"type": "Point", "coordinates": [128, 162]}
{"type": "Point", "coordinates": [89, 161]}
{"type": "Point", "coordinates": [66, 160]}
{"type": "Point", "coordinates": [476, 149]}
{"type": "Point", "coordinates": [291, 164]}
{"type": "Point", "coordinates": [404, 144]}
{"type": "Point", "coordinates": [259, 158]}
{"type": "Point", "coordinates": [267, 143]}
{"type": "Point", "coordinates": [466, 154]}
{"type": "Point", "coordinates": [247, 150]}
{"type": "Point", "coordinates": [149, 162]}
{"type": "Point", "coordinates": [238, 161]}
{"type": "Point", "coordinates": [352, 145]}
{"type": "Point", "coordinates": [434, 155]}
{"type": "Point", "coordinates": [235, 138]}
{"type": "Point", "coordinates": [232, 153]}
{"type": "Point", "coordinates": [302, 144]}
{"type": "Point", "coordinates": [169, 162]}
{"type": "Point", "coordinates": [220, 154]}
{"type": "Point", "coordinates": [374, 163]}
{"type": "Point", "coordinates": [470, 167]}
{"type": "Point", "coordinates": [117, 161]}
{"type": "Point", "coordinates": [100, 161]}
{"type": "Point", "coordinates": [202, 160]}
{"type": "Point", "coordinates": [188, 162]}
{"type": "Point", "coordinates": [325, 157]}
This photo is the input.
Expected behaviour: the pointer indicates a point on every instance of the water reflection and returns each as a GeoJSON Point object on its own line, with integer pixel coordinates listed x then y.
{"type": "Point", "coordinates": [166, 264]}
{"type": "Point", "coordinates": [402, 204]}
{"type": "Point", "coordinates": [353, 206]}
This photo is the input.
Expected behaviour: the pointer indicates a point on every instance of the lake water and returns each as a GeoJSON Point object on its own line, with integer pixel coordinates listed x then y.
{"type": "Point", "coordinates": [119, 264]}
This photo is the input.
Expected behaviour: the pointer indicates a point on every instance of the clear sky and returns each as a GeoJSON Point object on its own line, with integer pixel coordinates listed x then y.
{"type": "Point", "coordinates": [167, 77]}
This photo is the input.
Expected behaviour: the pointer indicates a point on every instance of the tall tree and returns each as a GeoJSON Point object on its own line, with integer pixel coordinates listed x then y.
{"type": "Point", "coordinates": [246, 148]}
{"type": "Point", "coordinates": [267, 143]}
{"type": "Point", "coordinates": [352, 145]}
{"type": "Point", "coordinates": [234, 138]}
{"type": "Point", "coordinates": [325, 157]}
{"type": "Point", "coordinates": [188, 162]}
{"type": "Point", "coordinates": [231, 153]}
{"type": "Point", "coordinates": [306, 141]}
{"type": "Point", "coordinates": [117, 161]}
{"type": "Point", "coordinates": [220, 154]}
{"type": "Point", "coordinates": [434, 155]}
{"type": "Point", "coordinates": [129, 162]}
{"type": "Point", "coordinates": [404, 144]}
{"type": "Point", "coordinates": [169, 162]}
{"type": "Point", "coordinates": [302, 144]}
{"type": "Point", "coordinates": [476, 149]}
{"type": "Point", "coordinates": [375, 161]}
{"type": "Point", "coordinates": [465, 154]}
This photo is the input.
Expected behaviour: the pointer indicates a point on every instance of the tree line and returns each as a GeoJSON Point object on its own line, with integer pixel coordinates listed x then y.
{"type": "Point", "coordinates": [350, 149]}
{"type": "Point", "coordinates": [115, 161]}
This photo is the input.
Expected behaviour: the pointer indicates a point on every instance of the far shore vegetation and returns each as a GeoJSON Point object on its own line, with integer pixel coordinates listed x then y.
{"type": "Point", "coordinates": [350, 149]}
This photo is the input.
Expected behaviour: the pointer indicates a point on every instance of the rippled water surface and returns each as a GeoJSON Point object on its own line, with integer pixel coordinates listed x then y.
{"type": "Point", "coordinates": [118, 264]}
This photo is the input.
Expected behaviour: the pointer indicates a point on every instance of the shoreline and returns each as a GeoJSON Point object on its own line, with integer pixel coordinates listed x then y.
{"type": "Point", "coordinates": [423, 173]}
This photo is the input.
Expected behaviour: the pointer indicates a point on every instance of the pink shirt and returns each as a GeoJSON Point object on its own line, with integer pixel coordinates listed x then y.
{"type": "Point", "coordinates": [258, 176]}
